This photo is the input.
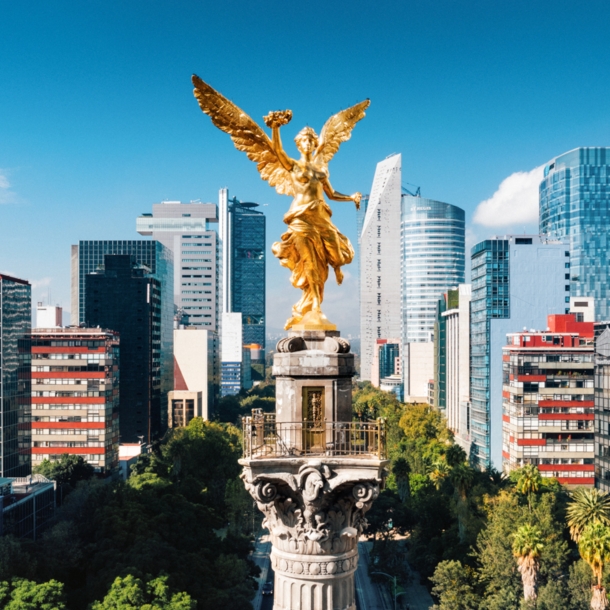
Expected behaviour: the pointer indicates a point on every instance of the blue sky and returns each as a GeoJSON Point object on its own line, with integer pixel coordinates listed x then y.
{"type": "Point", "coordinates": [98, 121]}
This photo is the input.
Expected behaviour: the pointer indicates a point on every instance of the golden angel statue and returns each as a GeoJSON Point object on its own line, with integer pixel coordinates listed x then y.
{"type": "Point", "coordinates": [312, 243]}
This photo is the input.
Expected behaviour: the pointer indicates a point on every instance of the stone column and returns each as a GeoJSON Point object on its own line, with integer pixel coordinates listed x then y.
{"type": "Point", "coordinates": [314, 510]}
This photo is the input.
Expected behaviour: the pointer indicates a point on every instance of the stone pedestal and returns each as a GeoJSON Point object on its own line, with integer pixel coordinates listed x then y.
{"type": "Point", "coordinates": [314, 511]}
{"type": "Point", "coordinates": [313, 472]}
{"type": "Point", "coordinates": [312, 365]}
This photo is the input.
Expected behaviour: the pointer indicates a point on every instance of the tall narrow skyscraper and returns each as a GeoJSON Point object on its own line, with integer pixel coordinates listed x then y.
{"type": "Point", "coordinates": [126, 297]}
{"type": "Point", "coordinates": [575, 204]}
{"type": "Point", "coordinates": [242, 231]}
{"type": "Point", "coordinates": [517, 281]}
{"type": "Point", "coordinates": [242, 243]}
{"type": "Point", "coordinates": [380, 315]}
{"type": "Point", "coordinates": [15, 377]}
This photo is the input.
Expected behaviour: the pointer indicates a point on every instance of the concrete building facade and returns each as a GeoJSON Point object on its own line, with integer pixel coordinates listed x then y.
{"type": "Point", "coordinates": [196, 375]}
{"type": "Point", "coordinates": [75, 396]}
{"type": "Point", "coordinates": [457, 365]}
{"type": "Point", "coordinates": [548, 400]}
{"type": "Point", "coordinates": [185, 230]}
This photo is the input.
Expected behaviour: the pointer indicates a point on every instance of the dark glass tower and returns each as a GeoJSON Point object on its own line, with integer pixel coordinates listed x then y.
{"type": "Point", "coordinates": [246, 273]}
{"type": "Point", "coordinates": [88, 257]}
{"type": "Point", "coordinates": [15, 376]}
{"type": "Point", "coordinates": [125, 297]}
{"type": "Point", "coordinates": [575, 204]}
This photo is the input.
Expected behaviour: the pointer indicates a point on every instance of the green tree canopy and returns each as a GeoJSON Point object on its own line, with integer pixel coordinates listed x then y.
{"type": "Point", "coordinates": [130, 593]}
{"type": "Point", "coordinates": [22, 594]}
{"type": "Point", "coordinates": [68, 470]}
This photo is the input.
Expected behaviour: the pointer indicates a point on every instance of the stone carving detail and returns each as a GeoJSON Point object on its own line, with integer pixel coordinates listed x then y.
{"type": "Point", "coordinates": [314, 512]}
{"type": "Point", "coordinates": [291, 344]}
{"type": "Point", "coordinates": [336, 345]}
{"type": "Point", "coordinates": [323, 568]}
{"type": "Point", "coordinates": [330, 345]}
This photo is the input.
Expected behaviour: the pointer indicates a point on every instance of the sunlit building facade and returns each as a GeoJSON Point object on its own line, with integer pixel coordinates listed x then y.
{"type": "Point", "coordinates": [75, 396]}
{"type": "Point", "coordinates": [547, 411]}
{"type": "Point", "coordinates": [575, 205]}
{"type": "Point", "coordinates": [517, 281]}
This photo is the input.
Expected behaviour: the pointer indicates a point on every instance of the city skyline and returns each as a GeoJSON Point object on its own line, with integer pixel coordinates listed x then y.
{"type": "Point", "coordinates": [101, 122]}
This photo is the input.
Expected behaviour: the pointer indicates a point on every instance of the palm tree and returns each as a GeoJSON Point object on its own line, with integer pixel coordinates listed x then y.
{"type": "Point", "coordinates": [594, 547]}
{"type": "Point", "coordinates": [588, 507]}
{"type": "Point", "coordinates": [527, 545]}
{"type": "Point", "coordinates": [528, 482]}
{"type": "Point", "coordinates": [461, 477]}
{"type": "Point", "coordinates": [440, 471]}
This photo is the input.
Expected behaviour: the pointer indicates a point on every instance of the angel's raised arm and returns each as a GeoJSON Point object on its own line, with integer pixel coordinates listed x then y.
{"type": "Point", "coordinates": [276, 141]}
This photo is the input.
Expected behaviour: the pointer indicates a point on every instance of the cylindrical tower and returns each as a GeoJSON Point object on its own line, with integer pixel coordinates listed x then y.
{"type": "Point", "coordinates": [433, 254]}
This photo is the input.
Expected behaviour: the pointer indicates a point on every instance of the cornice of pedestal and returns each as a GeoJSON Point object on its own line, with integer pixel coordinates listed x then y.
{"type": "Point", "coordinates": [314, 506]}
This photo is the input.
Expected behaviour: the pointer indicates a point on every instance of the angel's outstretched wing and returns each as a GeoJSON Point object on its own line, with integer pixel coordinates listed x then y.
{"type": "Point", "coordinates": [245, 133]}
{"type": "Point", "coordinates": [338, 129]}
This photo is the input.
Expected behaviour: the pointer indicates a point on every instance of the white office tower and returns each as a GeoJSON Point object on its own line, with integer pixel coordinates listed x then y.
{"type": "Point", "coordinates": [185, 229]}
{"type": "Point", "coordinates": [457, 350]}
{"type": "Point", "coordinates": [380, 262]}
{"type": "Point", "coordinates": [48, 316]}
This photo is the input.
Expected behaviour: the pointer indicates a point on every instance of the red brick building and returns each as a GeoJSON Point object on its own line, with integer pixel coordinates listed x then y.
{"type": "Point", "coordinates": [548, 403]}
{"type": "Point", "coordinates": [75, 394]}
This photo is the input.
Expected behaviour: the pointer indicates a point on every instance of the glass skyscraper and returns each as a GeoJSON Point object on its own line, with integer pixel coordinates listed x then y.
{"type": "Point", "coordinates": [15, 377]}
{"type": "Point", "coordinates": [124, 297]}
{"type": "Point", "coordinates": [245, 268]}
{"type": "Point", "coordinates": [575, 204]}
{"type": "Point", "coordinates": [517, 281]}
{"type": "Point", "coordinates": [433, 255]}
{"type": "Point", "coordinates": [88, 257]}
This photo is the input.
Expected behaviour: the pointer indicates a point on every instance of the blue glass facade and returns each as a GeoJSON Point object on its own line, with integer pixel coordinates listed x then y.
{"type": "Point", "coordinates": [433, 260]}
{"type": "Point", "coordinates": [490, 299]}
{"type": "Point", "coordinates": [575, 204]}
{"type": "Point", "coordinates": [247, 266]}
{"type": "Point", "coordinates": [517, 281]}
{"type": "Point", "coordinates": [388, 353]}
{"type": "Point", "coordinates": [15, 377]}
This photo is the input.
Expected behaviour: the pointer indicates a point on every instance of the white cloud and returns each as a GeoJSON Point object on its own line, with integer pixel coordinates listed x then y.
{"type": "Point", "coordinates": [41, 283]}
{"type": "Point", "coordinates": [515, 201]}
{"type": "Point", "coordinates": [6, 195]}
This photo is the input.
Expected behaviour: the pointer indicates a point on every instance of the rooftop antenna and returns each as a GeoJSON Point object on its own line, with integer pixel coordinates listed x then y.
{"type": "Point", "coordinates": [417, 192]}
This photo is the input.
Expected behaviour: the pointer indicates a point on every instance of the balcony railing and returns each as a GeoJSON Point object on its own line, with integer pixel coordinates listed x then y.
{"type": "Point", "coordinates": [266, 438]}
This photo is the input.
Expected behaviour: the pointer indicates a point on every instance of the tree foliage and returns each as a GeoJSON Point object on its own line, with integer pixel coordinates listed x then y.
{"type": "Point", "coordinates": [67, 470]}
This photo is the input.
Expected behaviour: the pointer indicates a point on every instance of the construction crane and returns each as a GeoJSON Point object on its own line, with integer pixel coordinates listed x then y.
{"type": "Point", "coordinates": [417, 193]}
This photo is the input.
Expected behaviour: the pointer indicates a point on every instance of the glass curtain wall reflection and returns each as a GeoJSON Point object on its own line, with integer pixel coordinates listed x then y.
{"type": "Point", "coordinates": [433, 260]}
{"type": "Point", "coordinates": [575, 204]}
{"type": "Point", "coordinates": [15, 377]}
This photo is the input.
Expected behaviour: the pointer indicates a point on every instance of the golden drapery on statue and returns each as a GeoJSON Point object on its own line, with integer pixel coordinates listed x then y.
{"type": "Point", "coordinates": [312, 243]}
